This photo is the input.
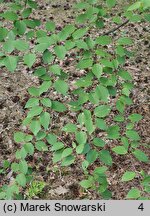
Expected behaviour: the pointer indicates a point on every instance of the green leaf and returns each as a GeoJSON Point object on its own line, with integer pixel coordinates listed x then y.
{"type": "Point", "coordinates": [91, 156]}
{"type": "Point", "coordinates": [135, 6]}
{"type": "Point", "coordinates": [111, 3]}
{"type": "Point", "coordinates": [61, 86]}
{"type": "Point", "coordinates": [26, 12]}
{"type": "Point", "coordinates": [11, 63]}
{"type": "Point", "coordinates": [29, 59]}
{"type": "Point", "coordinates": [34, 91]}
{"type": "Point", "coordinates": [71, 128]}
{"type": "Point", "coordinates": [29, 148]}
{"type": "Point", "coordinates": [86, 184]}
{"type": "Point", "coordinates": [3, 33]}
{"type": "Point", "coordinates": [32, 4]}
{"type": "Point", "coordinates": [57, 146]}
{"type": "Point", "coordinates": [55, 69]}
{"type": "Point", "coordinates": [134, 193]}
{"type": "Point", "coordinates": [102, 111]}
{"type": "Point", "coordinates": [132, 135]}
{"type": "Point", "coordinates": [51, 138]}
{"type": "Point", "coordinates": [41, 146]}
{"type": "Point", "coordinates": [35, 127]}
{"type": "Point", "coordinates": [120, 106]}
{"type": "Point", "coordinates": [59, 107]}
{"type": "Point", "coordinates": [47, 57]}
{"type": "Point", "coordinates": [32, 102]}
{"type": "Point", "coordinates": [88, 121]}
{"type": "Point", "coordinates": [120, 150]}
{"type": "Point", "coordinates": [113, 132]}
{"type": "Point", "coordinates": [125, 75]}
{"type": "Point", "coordinates": [97, 70]}
{"type": "Point", "coordinates": [105, 157]}
{"type": "Point", "coordinates": [81, 137]}
{"type": "Point", "coordinates": [44, 87]}
{"type": "Point", "coordinates": [79, 33]}
{"type": "Point", "coordinates": [128, 176]}
{"type": "Point", "coordinates": [103, 93]}
{"type": "Point", "coordinates": [60, 51]}
{"type": "Point", "coordinates": [19, 137]}
{"type": "Point", "coordinates": [35, 111]}
{"type": "Point", "coordinates": [23, 167]}
{"type": "Point", "coordinates": [40, 71]}
{"type": "Point", "coordinates": [50, 26]}
{"type": "Point", "coordinates": [20, 27]}
{"type": "Point", "coordinates": [124, 41]}
{"type": "Point", "coordinates": [21, 179]}
{"type": "Point", "coordinates": [66, 32]}
{"type": "Point", "coordinates": [45, 120]}
{"type": "Point", "coordinates": [46, 102]}
{"type": "Point", "coordinates": [135, 117]}
{"type": "Point", "coordinates": [103, 40]}
{"type": "Point", "coordinates": [99, 142]}
{"type": "Point", "coordinates": [8, 46]}
{"type": "Point", "coordinates": [101, 124]}
{"type": "Point", "coordinates": [85, 63]}
{"type": "Point", "coordinates": [10, 15]}
{"type": "Point", "coordinates": [140, 155]}
{"type": "Point", "coordinates": [21, 45]}
{"type": "Point", "coordinates": [66, 152]}
{"type": "Point", "coordinates": [68, 160]}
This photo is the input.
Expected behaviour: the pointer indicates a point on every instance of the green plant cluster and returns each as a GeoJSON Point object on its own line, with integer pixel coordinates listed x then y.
{"type": "Point", "coordinates": [103, 88]}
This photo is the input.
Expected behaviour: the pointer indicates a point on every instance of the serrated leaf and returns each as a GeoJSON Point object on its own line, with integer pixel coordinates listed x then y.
{"type": "Point", "coordinates": [21, 179]}
{"type": "Point", "coordinates": [111, 3]}
{"type": "Point", "coordinates": [71, 128]}
{"type": "Point", "coordinates": [133, 135]}
{"type": "Point", "coordinates": [98, 142]}
{"type": "Point", "coordinates": [81, 137]}
{"type": "Point", "coordinates": [85, 63]}
{"type": "Point", "coordinates": [29, 148]}
{"type": "Point", "coordinates": [79, 33]}
{"type": "Point", "coordinates": [32, 102]}
{"type": "Point", "coordinates": [10, 15]}
{"type": "Point", "coordinates": [8, 46]}
{"type": "Point", "coordinates": [45, 120]}
{"type": "Point", "coordinates": [34, 91]}
{"type": "Point", "coordinates": [57, 146]}
{"type": "Point", "coordinates": [29, 59]}
{"type": "Point", "coordinates": [120, 150]}
{"type": "Point", "coordinates": [44, 87]}
{"type": "Point", "coordinates": [102, 111]}
{"type": "Point", "coordinates": [59, 107]}
{"type": "Point", "coordinates": [105, 157]}
{"type": "Point", "coordinates": [91, 156]}
{"type": "Point", "coordinates": [61, 86]}
{"type": "Point", "coordinates": [66, 32]}
{"type": "Point", "coordinates": [50, 26]}
{"type": "Point", "coordinates": [11, 63]}
{"type": "Point", "coordinates": [135, 117]}
{"type": "Point", "coordinates": [97, 70]}
{"type": "Point", "coordinates": [35, 111]}
{"type": "Point", "coordinates": [134, 193]}
{"type": "Point", "coordinates": [55, 69]}
{"type": "Point", "coordinates": [68, 160]}
{"type": "Point", "coordinates": [86, 184]}
{"type": "Point", "coordinates": [23, 167]}
{"type": "Point", "coordinates": [19, 137]}
{"type": "Point", "coordinates": [21, 45]}
{"type": "Point", "coordinates": [60, 52]}
{"type": "Point", "coordinates": [35, 127]}
{"type": "Point", "coordinates": [124, 41]}
{"type": "Point", "coordinates": [103, 40]}
{"type": "Point", "coordinates": [46, 102]}
{"type": "Point", "coordinates": [128, 176]}
{"type": "Point", "coordinates": [66, 152]}
{"type": "Point", "coordinates": [100, 123]}
{"type": "Point", "coordinates": [41, 146]}
{"type": "Point", "coordinates": [88, 121]}
{"type": "Point", "coordinates": [113, 132]}
{"type": "Point", "coordinates": [102, 92]}
{"type": "Point", "coordinates": [135, 6]}
{"type": "Point", "coordinates": [140, 155]}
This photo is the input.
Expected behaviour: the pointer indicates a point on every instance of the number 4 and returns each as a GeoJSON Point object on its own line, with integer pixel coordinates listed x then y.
{"type": "Point", "coordinates": [141, 207]}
